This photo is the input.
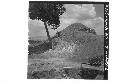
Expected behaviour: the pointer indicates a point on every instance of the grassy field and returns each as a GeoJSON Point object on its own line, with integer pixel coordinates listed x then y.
{"type": "Point", "coordinates": [60, 69]}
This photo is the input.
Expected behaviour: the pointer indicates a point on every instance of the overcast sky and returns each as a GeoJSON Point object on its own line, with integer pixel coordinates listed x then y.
{"type": "Point", "coordinates": [87, 14]}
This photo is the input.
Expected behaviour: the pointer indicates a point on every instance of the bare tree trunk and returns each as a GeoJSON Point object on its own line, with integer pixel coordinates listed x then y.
{"type": "Point", "coordinates": [47, 32]}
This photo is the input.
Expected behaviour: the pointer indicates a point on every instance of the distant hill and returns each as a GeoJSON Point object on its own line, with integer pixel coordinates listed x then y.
{"type": "Point", "coordinates": [39, 38]}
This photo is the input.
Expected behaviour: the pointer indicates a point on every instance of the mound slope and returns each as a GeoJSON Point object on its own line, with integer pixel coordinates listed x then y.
{"type": "Point", "coordinates": [87, 43]}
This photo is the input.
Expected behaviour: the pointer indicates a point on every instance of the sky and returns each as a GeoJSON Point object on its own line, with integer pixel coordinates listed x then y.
{"type": "Point", "coordinates": [99, 8]}
{"type": "Point", "coordinates": [91, 15]}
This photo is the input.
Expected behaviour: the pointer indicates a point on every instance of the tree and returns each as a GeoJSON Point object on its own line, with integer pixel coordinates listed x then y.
{"type": "Point", "coordinates": [48, 12]}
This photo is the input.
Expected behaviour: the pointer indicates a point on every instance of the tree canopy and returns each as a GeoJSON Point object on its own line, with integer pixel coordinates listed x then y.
{"type": "Point", "coordinates": [48, 12]}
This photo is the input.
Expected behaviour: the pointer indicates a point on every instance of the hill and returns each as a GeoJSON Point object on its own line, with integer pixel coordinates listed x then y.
{"type": "Point", "coordinates": [38, 38]}
{"type": "Point", "coordinates": [87, 43]}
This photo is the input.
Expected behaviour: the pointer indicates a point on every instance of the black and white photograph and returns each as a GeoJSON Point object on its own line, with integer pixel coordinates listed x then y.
{"type": "Point", "coordinates": [62, 41]}
{"type": "Point", "coordinates": [68, 40]}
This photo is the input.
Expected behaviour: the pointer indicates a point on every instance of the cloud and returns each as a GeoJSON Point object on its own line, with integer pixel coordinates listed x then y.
{"type": "Point", "coordinates": [76, 13]}
{"type": "Point", "coordinates": [86, 11]}
{"type": "Point", "coordinates": [84, 14]}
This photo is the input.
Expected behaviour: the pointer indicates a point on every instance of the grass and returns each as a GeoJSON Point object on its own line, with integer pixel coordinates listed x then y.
{"type": "Point", "coordinates": [59, 68]}
{"type": "Point", "coordinates": [65, 73]}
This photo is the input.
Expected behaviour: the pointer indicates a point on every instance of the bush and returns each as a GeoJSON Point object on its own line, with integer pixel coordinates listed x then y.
{"type": "Point", "coordinates": [96, 61]}
{"type": "Point", "coordinates": [40, 48]}
{"type": "Point", "coordinates": [42, 74]}
{"type": "Point", "coordinates": [86, 73]}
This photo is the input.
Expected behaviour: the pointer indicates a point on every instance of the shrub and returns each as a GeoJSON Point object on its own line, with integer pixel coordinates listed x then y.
{"type": "Point", "coordinates": [96, 61]}
{"type": "Point", "coordinates": [86, 73]}
{"type": "Point", "coordinates": [40, 48]}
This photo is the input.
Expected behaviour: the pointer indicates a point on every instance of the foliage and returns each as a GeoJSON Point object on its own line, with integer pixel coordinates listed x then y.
{"type": "Point", "coordinates": [39, 48]}
{"type": "Point", "coordinates": [96, 61]}
{"type": "Point", "coordinates": [87, 73]}
{"type": "Point", "coordinates": [48, 12]}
